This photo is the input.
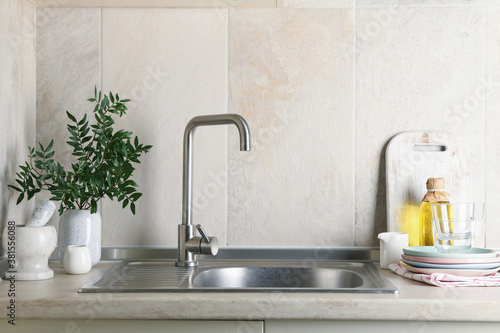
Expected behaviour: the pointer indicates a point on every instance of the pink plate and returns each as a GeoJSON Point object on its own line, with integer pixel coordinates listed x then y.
{"type": "Point", "coordinates": [457, 272]}
{"type": "Point", "coordinates": [452, 261]}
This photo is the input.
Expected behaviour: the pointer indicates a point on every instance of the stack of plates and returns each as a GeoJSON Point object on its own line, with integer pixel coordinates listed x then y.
{"type": "Point", "coordinates": [426, 260]}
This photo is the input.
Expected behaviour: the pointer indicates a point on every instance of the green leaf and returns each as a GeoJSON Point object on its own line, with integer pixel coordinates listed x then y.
{"type": "Point", "coordinates": [31, 194]}
{"type": "Point", "coordinates": [71, 117]}
{"type": "Point", "coordinates": [15, 188]}
{"type": "Point", "coordinates": [73, 133]}
{"type": "Point", "coordinates": [93, 206]}
{"type": "Point", "coordinates": [105, 102]}
{"type": "Point", "coordinates": [136, 196]}
{"type": "Point", "coordinates": [73, 144]}
{"type": "Point", "coordinates": [132, 207]}
{"type": "Point", "coordinates": [20, 198]}
{"type": "Point", "coordinates": [45, 176]}
{"type": "Point", "coordinates": [86, 139]}
{"type": "Point", "coordinates": [85, 131]}
{"type": "Point", "coordinates": [49, 147]}
{"type": "Point", "coordinates": [49, 155]}
{"type": "Point", "coordinates": [84, 119]}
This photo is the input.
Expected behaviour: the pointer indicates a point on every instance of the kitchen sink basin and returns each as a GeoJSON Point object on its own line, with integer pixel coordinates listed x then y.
{"type": "Point", "coordinates": [242, 276]}
{"type": "Point", "coordinates": [278, 277]}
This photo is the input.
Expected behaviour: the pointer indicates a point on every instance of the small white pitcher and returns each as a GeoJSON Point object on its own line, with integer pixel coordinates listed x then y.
{"type": "Point", "coordinates": [391, 246]}
{"type": "Point", "coordinates": [77, 259]}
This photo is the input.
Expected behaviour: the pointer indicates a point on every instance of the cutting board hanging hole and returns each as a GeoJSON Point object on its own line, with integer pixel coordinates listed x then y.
{"type": "Point", "coordinates": [423, 147]}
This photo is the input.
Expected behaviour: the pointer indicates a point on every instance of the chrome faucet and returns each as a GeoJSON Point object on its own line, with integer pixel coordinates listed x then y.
{"type": "Point", "coordinates": [188, 244]}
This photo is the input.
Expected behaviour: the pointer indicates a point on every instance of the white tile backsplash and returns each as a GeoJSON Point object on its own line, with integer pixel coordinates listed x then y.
{"type": "Point", "coordinates": [492, 142]}
{"type": "Point", "coordinates": [417, 71]}
{"type": "Point", "coordinates": [323, 90]}
{"type": "Point", "coordinates": [178, 72]}
{"type": "Point", "coordinates": [17, 101]}
{"type": "Point", "coordinates": [292, 81]}
{"type": "Point", "coordinates": [68, 66]}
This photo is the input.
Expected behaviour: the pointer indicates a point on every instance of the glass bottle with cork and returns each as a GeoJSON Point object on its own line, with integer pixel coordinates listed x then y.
{"type": "Point", "coordinates": [435, 194]}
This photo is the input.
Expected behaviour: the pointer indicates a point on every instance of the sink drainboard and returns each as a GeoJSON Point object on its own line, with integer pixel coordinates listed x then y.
{"type": "Point", "coordinates": [164, 276]}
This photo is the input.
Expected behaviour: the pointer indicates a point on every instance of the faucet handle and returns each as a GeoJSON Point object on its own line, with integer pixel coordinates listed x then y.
{"type": "Point", "coordinates": [208, 245]}
{"type": "Point", "coordinates": [202, 233]}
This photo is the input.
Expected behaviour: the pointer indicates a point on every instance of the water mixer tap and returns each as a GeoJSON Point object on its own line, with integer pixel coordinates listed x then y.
{"type": "Point", "coordinates": [188, 244]}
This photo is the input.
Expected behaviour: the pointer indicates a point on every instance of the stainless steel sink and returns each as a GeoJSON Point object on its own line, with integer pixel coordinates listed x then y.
{"type": "Point", "coordinates": [278, 277]}
{"type": "Point", "coordinates": [280, 270]}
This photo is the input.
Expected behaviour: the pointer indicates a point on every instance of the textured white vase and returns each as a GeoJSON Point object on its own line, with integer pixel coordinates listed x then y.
{"type": "Point", "coordinates": [79, 227]}
{"type": "Point", "coordinates": [33, 247]}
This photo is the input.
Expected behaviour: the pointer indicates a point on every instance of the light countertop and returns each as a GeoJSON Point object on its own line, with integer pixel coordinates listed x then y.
{"type": "Point", "coordinates": [58, 298]}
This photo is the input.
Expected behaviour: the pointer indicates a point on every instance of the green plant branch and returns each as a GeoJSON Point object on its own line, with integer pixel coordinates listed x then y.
{"type": "Point", "coordinates": [103, 166]}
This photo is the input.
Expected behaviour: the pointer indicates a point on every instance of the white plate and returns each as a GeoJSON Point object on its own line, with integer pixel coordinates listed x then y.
{"type": "Point", "coordinates": [457, 272]}
{"type": "Point", "coordinates": [430, 251]}
{"type": "Point", "coordinates": [451, 266]}
{"type": "Point", "coordinates": [452, 261]}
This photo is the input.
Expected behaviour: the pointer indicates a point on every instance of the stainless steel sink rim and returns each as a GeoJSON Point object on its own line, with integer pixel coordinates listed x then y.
{"type": "Point", "coordinates": [164, 276]}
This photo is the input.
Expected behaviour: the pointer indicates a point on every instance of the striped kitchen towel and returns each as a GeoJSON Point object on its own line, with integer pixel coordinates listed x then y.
{"type": "Point", "coordinates": [448, 280]}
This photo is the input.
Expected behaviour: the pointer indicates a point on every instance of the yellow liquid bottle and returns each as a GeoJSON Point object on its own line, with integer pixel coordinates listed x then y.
{"type": "Point", "coordinates": [435, 194]}
{"type": "Point", "coordinates": [410, 223]}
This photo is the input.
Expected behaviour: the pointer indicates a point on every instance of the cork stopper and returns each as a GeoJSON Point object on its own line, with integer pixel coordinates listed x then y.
{"type": "Point", "coordinates": [435, 193]}
{"type": "Point", "coordinates": [435, 184]}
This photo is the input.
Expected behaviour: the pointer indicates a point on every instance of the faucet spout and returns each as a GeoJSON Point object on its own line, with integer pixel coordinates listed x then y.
{"type": "Point", "coordinates": [220, 119]}
{"type": "Point", "coordinates": [186, 229]}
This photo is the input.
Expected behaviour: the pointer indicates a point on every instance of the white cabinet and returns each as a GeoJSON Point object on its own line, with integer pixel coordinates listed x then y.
{"type": "Point", "coordinates": [376, 326]}
{"type": "Point", "coordinates": [131, 326]}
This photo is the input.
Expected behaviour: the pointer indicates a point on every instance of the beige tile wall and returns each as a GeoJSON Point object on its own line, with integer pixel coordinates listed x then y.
{"type": "Point", "coordinates": [291, 78]}
{"type": "Point", "coordinates": [17, 101]}
{"type": "Point", "coordinates": [322, 89]}
{"type": "Point", "coordinates": [178, 72]}
{"type": "Point", "coordinates": [416, 69]}
{"type": "Point", "coordinates": [492, 145]}
{"type": "Point", "coordinates": [68, 66]}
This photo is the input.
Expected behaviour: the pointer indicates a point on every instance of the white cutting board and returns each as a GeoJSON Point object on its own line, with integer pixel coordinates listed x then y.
{"type": "Point", "coordinates": [412, 158]}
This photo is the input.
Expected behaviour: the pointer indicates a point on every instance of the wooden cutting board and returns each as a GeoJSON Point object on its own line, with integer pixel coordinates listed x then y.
{"type": "Point", "coordinates": [412, 158]}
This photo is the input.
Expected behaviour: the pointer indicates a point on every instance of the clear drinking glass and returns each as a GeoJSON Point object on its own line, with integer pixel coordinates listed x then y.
{"type": "Point", "coordinates": [452, 227]}
{"type": "Point", "coordinates": [478, 226]}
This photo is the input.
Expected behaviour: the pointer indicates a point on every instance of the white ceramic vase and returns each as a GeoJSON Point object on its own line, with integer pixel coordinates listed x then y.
{"type": "Point", "coordinates": [79, 227]}
{"type": "Point", "coordinates": [33, 247]}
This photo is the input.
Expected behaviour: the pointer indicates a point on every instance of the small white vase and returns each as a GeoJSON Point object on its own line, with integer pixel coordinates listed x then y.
{"type": "Point", "coordinates": [33, 247]}
{"type": "Point", "coordinates": [79, 227]}
{"type": "Point", "coordinates": [77, 259]}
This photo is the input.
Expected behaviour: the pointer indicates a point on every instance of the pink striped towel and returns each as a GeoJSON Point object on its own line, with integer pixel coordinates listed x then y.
{"type": "Point", "coordinates": [448, 280]}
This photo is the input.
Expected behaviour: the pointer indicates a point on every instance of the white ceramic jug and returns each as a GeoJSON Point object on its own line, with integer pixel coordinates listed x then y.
{"type": "Point", "coordinates": [77, 259]}
{"type": "Point", "coordinates": [391, 247]}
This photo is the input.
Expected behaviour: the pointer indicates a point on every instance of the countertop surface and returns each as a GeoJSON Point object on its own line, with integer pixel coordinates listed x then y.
{"type": "Point", "coordinates": [58, 298]}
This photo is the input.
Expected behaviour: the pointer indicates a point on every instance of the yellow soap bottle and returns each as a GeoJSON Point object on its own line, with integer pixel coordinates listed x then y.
{"type": "Point", "coordinates": [435, 194]}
